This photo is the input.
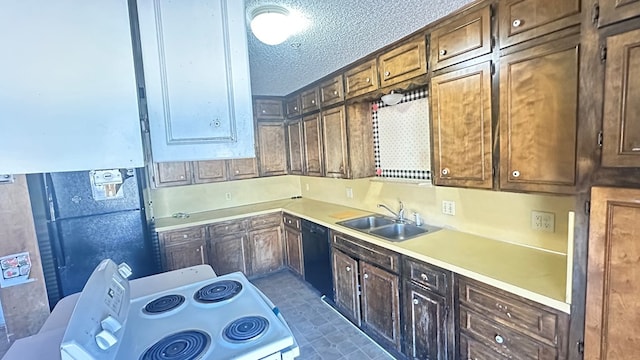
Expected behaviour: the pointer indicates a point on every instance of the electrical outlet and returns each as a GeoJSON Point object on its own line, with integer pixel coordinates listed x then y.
{"type": "Point", "coordinates": [227, 196]}
{"type": "Point", "coordinates": [448, 207]}
{"type": "Point", "coordinates": [349, 193]}
{"type": "Point", "coordinates": [543, 221]}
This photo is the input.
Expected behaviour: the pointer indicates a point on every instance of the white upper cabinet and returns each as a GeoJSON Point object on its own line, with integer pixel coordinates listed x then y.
{"type": "Point", "coordinates": [68, 97]}
{"type": "Point", "coordinates": [196, 70]}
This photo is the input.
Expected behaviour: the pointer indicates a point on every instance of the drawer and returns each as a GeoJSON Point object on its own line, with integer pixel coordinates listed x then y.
{"type": "Point", "coordinates": [403, 62]}
{"type": "Point", "coordinates": [291, 221]}
{"type": "Point", "coordinates": [264, 221]}
{"type": "Point", "coordinates": [361, 79]}
{"type": "Point", "coordinates": [227, 227]}
{"type": "Point", "coordinates": [434, 278]}
{"type": "Point", "coordinates": [475, 350]}
{"type": "Point", "coordinates": [309, 100]}
{"type": "Point", "coordinates": [371, 253]}
{"type": "Point", "coordinates": [269, 109]}
{"type": "Point", "coordinates": [180, 236]}
{"type": "Point", "coordinates": [502, 340]}
{"type": "Point", "coordinates": [462, 39]}
{"type": "Point", "coordinates": [292, 106]}
{"type": "Point", "coordinates": [523, 315]}
{"type": "Point", "coordinates": [331, 91]}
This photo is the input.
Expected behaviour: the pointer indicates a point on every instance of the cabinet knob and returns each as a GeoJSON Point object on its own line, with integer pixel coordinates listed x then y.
{"type": "Point", "coordinates": [515, 173]}
{"type": "Point", "coordinates": [416, 302]}
{"type": "Point", "coordinates": [335, 92]}
{"type": "Point", "coordinates": [264, 111]}
{"type": "Point", "coordinates": [445, 171]}
{"type": "Point", "coordinates": [237, 171]}
{"type": "Point", "coordinates": [499, 339]}
{"type": "Point", "coordinates": [387, 73]}
{"type": "Point", "coordinates": [295, 108]}
{"type": "Point", "coordinates": [181, 176]}
{"type": "Point", "coordinates": [348, 268]}
{"type": "Point", "coordinates": [366, 276]}
{"type": "Point", "coordinates": [313, 101]}
{"type": "Point", "coordinates": [517, 22]}
{"type": "Point", "coordinates": [424, 277]}
{"type": "Point", "coordinates": [367, 80]}
{"type": "Point", "coordinates": [443, 52]}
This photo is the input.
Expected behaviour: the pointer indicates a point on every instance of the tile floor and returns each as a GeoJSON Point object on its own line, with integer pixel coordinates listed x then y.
{"type": "Point", "coordinates": [320, 331]}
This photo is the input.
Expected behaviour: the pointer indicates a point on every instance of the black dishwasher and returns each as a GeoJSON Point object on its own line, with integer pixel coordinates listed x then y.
{"type": "Point", "coordinates": [317, 257]}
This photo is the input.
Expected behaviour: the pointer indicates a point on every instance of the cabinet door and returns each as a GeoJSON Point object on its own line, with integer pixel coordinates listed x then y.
{"type": "Point", "coordinates": [227, 254]}
{"type": "Point", "coordinates": [522, 20]}
{"type": "Point", "coordinates": [209, 171]}
{"type": "Point", "coordinates": [331, 91]}
{"type": "Point", "coordinates": [621, 119]}
{"type": "Point", "coordinates": [538, 118]}
{"type": "Point", "coordinates": [426, 323]}
{"type": "Point", "coordinates": [462, 39]}
{"type": "Point", "coordinates": [265, 249]}
{"type": "Point", "coordinates": [309, 100]}
{"type": "Point", "coordinates": [293, 247]}
{"type": "Point", "coordinates": [295, 147]}
{"type": "Point", "coordinates": [312, 145]}
{"type": "Point", "coordinates": [361, 79]}
{"type": "Point", "coordinates": [334, 133]}
{"type": "Point", "coordinates": [612, 11]}
{"type": "Point", "coordinates": [380, 303]}
{"type": "Point", "coordinates": [172, 173]}
{"type": "Point", "coordinates": [292, 106]}
{"type": "Point", "coordinates": [345, 285]}
{"type": "Point", "coordinates": [270, 109]}
{"type": "Point", "coordinates": [612, 318]}
{"type": "Point", "coordinates": [184, 255]}
{"type": "Point", "coordinates": [462, 145]}
{"type": "Point", "coordinates": [403, 62]}
{"type": "Point", "coordinates": [243, 168]}
{"type": "Point", "coordinates": [273, 156]}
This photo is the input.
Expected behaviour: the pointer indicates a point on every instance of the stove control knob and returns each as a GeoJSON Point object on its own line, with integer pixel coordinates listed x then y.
{"type": "Point", "coordinates": [111, 324]}
{"type": "Point", "coordinates": [124, 270]}
{"type": "Point", "coordinates": [105, 339]}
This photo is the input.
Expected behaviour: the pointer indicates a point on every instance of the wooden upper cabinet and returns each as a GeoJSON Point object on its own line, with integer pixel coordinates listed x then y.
{"type": "Point", "coordinates": [612, 11]}
{"type": "Point", "coordinates": [334, 127]}
{"type": "Point", "coordinates": [268, 109]}
{"type": "Point", "coordinates": [331, 91]}
{"type": "Point", "coordinates": [361, 79]}
{"type": "Point", "coordinates": [522, 20]}
{"type": "Point", "coordinates": [312, 145]}
{"type": "Point", "coordinates": [295, 147]}
{"type": "Point", "coordinates": [538, 117]}
{"type": "Point", "coordinates": [621, 119]}
{"type": "Point", "coordinates": [243, 168]}
{"type": "Point", "coordinates": [272, 145]}
{"type": "Point", "coordinates": [462, 39]}
{"type": "Point", "coordinates": [209, 171]}
{"type": "Point", "coordinates": [612, 331]}
{"type": "Point", "coordinates": [309, 100]}
{"type": "Point", "coordinates": [292, 106]}
{"type": "Point", "coordinates": [172, 173]}
{"type": "Point", "coordinates": [403, 62]}
{"type": "Point", "coordinates": [461, 116]}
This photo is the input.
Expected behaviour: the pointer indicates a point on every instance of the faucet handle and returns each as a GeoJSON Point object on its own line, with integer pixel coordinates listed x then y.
{"type": "Point", "coordinates": [417, 218]}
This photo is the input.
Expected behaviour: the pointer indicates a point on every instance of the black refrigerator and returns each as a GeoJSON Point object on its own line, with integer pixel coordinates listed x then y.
{"type": "Point", "coordinates": [83, 217]}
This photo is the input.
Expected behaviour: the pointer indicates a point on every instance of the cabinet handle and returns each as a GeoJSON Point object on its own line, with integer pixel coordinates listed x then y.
{"type": "Point", "coordinates": [635, 149]}
{"type": "Point", "coordinates": [335, 92]}
{"type": "Point", "coordinates": [348, 268]}
{"type": "Point", "coordinates": [202, 253]}
{"type": "Point", "coordinates": [445, 171]}
{"type": "Point", "coordinates": [515, 173]}
{"type": "Point", "coordinates": [424, 277]}
{"type": "Point", "coordinates": [367, 80]}
{"type": "Point", "coordinates": [182, 177]}
{"type": "Point", "coordinates": [499, 339]}
{"type": "Point", "coordinates": [313, 101]}
{"type": "Point", "coordinates": [517, 22]}
{"type": "Point", "coordinates": [416, 302]}
{"type": "Point", "coordinates": [295, 108]}
{"type": "Point", "coordinates": [366, 276]}
{"type": "Point", "coordinates": [264, 111]}
{"type": "Point", "coordinates": [185, 236]}
{"type": "Point", "coordinates": [237, 171]}
{"type": "Point", "coordinates": [443, 52]}
{"type": "Point", "coordinates": [387, 73]}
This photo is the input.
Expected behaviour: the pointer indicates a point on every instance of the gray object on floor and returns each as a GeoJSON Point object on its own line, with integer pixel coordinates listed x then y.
{"type": "Point", "coordinates": [320, 331]}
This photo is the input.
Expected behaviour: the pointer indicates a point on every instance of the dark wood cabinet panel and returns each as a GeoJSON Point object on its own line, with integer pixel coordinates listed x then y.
{"type": "Point", "coordinates": [426, 323]}
{"type": "Point", "coordinates": [433, 278]}
{"type": "Point", "coordinates": [403, 62]}
{"type": "Point", "coordinates": [621, 118]}
{"type": "Point", "coordinates": [538, 118]}
{"type": "Point", "coordinates": [331, 91]}
{"type": "Point", "coordinates": [521, 20]}
{"type": "Point", "coordinates": [268, 109]}
{"type": "Point", "coordinates": [612, 306]}
{"type": "Point", "coordinates": [360, 140]}
{"type": "Point", "coordinates": [292, 106]}
{"type": "Point", "coordinates": [612, 11]}
{"type": "Point", "coordinates": [209, 171]}
{"type": "Point", "coordinates": [243, 168]}
{"type": "Point", "coordinates": [293, 250]}
{"type": "Point", "coordinates": [462, 39]}
{"type": "Point", "coordinates": [272, 145]}
{"type": "Point", "coordinates": [183, 255]}
{"type": "Point", "coordinates": [312, 133]}
{"type": "Point", "coordinates": [361, 79]}
{"type": "Point", "coordinates": [265, 221]}
{"type": "Point", "coordinates": [291, 221]}
{"type": "Point", "coordinates": [295, 146]}
{"type": "Point", "coordinates": [175, 237]}
{"type": "Point", "coordinates": [266, 252]}
{"type": "Point", "coordinates": [345, 285]}
{"type": "Point", "coordinates": [380, 303]}
{"type": "Point", "coordinates": [475, 350]}
{"type": "Point", "coordinates": [309, 100]}
{"type": "Point", "coordinates": [462, 143]}
{"type": "Point", "coordinates": [371, 253]}
{"type": "Point", "coordinates": [227, 253]}
{"type": "Point", "coordinates": [172, 173]}
{"type": "Point", "coordinates": [334, 127]}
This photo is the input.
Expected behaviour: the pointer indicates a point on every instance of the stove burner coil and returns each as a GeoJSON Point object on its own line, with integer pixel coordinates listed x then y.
{"type": "Point", "coordinates": [164, 304]}
{"type": "Point", "coordinates": [184, 345]}
{"type": "Point", "coordinates": [218, 291]}
{"type": "Point", "coordinates": [245, 328]}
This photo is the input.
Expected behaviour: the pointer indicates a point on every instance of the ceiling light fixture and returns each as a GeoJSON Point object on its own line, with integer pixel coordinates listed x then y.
{"type": "Point", "coordinates": [270, 24]}
{"type": "Point", "coordinates": [392, 98]}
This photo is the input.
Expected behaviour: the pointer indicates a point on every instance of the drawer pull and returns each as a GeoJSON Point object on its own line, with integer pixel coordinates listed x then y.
{"type": "Point", "coordinates": [366, 276]}
{"type": "Point", "coordinates": [416, 302]}
{"type": "Point", "coordinates": [499, 339]}
{"type": "Point", "coordinates": [445, 171]}
{"type": "Point", "coordinates": [424, 277]}
{"type": "Point", "coordinates": [443, 52]}
{"type": "Point", "coordinates": [348, 268]}
{"type": "Point", "coordinates": [264, 111]}
{"type": "Point", "coordinates": [313, 101]}
{"type": "Point", "coordinates": [517, 22]}
{"type": "Point", "coordinates": [367, 80]}
{"type": "Point", "coordinates": [185, 236]}
{"type": "Point", "coordinates": [387, 73]}
{"type": "Point", "coordinates": [335, 92]}
{"type": "Point", "coordinates": [515, 173]}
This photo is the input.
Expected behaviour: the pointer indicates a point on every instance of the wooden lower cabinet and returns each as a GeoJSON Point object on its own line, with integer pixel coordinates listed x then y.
{"type": "Point", "coordinates": [426, 323]}
{"type": "Point", "coordinates": [265, 251]}
{"type": "Point", "coordinates": [227, 254]}
{"type": "Point", "coordinates": [293, 250]}
{"type": "Point", "coordinates": [184, 255]}
{"type": "Point", "coordinates": [345, 285]}
{"type": "Point", "coordinates": [380, 302]}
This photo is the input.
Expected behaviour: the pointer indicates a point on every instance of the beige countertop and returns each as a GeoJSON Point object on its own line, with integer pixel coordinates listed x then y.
{"type": "Point", "coordinates": [531, 273]}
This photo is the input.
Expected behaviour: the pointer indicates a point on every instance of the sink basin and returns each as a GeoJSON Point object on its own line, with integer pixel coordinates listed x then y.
{"type": "Point", "coordinates": [398, 232]}
{"type": "Point", "coordinates": [367, 223]}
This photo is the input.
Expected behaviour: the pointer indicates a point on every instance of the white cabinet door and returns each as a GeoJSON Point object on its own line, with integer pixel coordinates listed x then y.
{"type": "Point", "coordinates": [197, 79]}
{"type": "Point", "coordinates": [68, 97]}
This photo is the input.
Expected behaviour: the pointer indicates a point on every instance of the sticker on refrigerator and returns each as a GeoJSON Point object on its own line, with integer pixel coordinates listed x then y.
{"type": "Point", "coordinates": [15, 269]}
{"type": "Point", "coordinates": [106, 184]}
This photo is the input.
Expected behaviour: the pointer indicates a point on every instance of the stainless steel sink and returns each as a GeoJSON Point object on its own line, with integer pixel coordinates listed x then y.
{"type": "Point", "coordinates": [387, 228]}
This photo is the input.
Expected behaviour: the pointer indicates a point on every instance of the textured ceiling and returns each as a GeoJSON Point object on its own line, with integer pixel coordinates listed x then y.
{"type": "Point", "coordinates": [339, 33]}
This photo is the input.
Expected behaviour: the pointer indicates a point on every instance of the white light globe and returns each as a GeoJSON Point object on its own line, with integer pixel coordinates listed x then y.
{"type": "Point", "coordinates": [270, 24]}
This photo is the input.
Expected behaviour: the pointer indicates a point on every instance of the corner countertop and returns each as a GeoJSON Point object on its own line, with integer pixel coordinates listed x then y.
{"type": "Point", "coordinates": [531, 273]}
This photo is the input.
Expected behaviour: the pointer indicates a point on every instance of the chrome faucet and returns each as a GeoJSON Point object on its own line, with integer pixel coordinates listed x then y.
{"type": "Point", "coordinates": [399, 215]}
